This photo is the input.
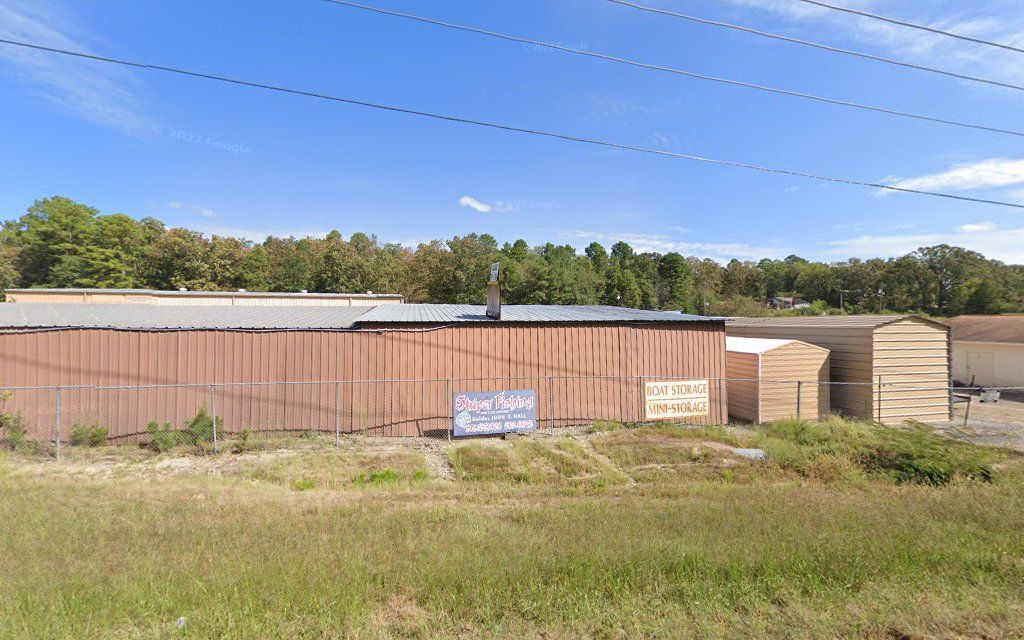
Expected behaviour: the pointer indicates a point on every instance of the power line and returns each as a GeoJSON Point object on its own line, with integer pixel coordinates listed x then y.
{"type": "Point", "coordinates": [673, 70]}
{"type": "Point", "coordinates": [503, 127]}
{"type": "Point", "coordinates": [816, 45]}
{"type": "Point", "coordinates": [911, 25]}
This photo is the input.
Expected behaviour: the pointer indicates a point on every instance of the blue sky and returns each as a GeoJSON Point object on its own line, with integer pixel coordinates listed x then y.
{"type": "Point", "coordinates": [225, 159]}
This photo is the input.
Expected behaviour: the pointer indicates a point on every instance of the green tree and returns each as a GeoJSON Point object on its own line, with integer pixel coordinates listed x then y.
{"type": "Point", "coordinates": [178, 258]}
{"type": "Point", "coordinates": [677, 284]}
{"type": "Point", "coordinates": [254, 270]}
{"type": "Point", "coordinates": [53, 230]}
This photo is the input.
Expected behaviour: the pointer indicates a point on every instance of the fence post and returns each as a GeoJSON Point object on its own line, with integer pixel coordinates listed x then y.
{"type": "Point", "coordinates": [56, 436]}
{"type": "Point", "coordinates": [551, 406]}
{"type": "Point", "coordinates": [643, 401]}
{"type": "Point", "coordinates": [213, 416]}
{"type": "Point", "coordinates": [337, 414]}
{"type": "Point", "coordinates": [799, 393]}
{"type": "Point", "coordinates": [879, 420]}
{"type": "Point", "coordinates": [451, 409]}
{"type": "Point", "coordinates": [723, 404]}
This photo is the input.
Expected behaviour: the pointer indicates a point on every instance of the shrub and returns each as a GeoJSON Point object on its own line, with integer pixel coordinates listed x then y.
{"type": "Point", "coordinates": [163, 437]}
{"type": "Point", "coordinates": [14, 427]}
{"type": "Point", "coordinates": [381, 476]}
{"type": "Point", "coordinates": [303, 484]}
{"type": "Point", "coordinates": [243, 443]}
{"type": "Point", "coordinates": [915, 454]}
{"type": "Point", "coordinates": [88, 435]}
{"type": "Point", "coordinates": [836, 449]}
{"type": "Point", "coordinates": [200, 428]}
{"type": "Point", "coordinates": [604, 425]}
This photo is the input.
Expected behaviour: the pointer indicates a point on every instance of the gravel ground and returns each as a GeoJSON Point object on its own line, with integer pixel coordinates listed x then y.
{"type": "Point", "coordinates": [999, 424]}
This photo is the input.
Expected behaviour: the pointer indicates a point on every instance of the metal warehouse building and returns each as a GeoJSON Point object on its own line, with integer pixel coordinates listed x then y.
{"type": "Point", "coordinates": [884, 368]}
{"type": "Point", "coordinates": [385, 370]}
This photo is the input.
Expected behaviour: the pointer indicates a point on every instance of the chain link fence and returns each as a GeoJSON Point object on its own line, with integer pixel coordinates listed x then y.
{"type": "Point", "coordinates": [54, 417]}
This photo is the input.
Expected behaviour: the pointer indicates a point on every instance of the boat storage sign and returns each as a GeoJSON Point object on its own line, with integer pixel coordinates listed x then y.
{"type": "Point", "coordinates": [669, 399]}
{"type": "Point", "coordinates": [487, 412]}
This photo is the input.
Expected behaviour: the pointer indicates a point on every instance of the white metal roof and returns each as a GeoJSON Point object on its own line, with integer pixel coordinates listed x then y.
{"type": "Point", "coordinates": [753, 345]}
{"type": "Point", "coordinates": [740, 344]}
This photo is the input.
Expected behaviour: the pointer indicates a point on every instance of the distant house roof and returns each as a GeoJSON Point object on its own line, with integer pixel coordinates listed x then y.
{"type": "Point", "coordinates": [988, 329]}
{"type": "Point", "coordinates": [445, 313]}
{"type": "Point", "coordinates": [825, 321]}
{"type": "Point", "coordinates": [760, 345]}
{"type": "Point", "coordinates": [147, 317]}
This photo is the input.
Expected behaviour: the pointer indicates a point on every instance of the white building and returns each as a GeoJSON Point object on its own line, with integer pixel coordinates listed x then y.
{"type": "Point", "coordinates": [988, 350]}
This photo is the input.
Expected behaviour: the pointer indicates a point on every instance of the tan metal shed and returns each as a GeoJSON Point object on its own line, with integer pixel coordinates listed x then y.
{"type": "Point", "coordinates": [771, 379]}
{"type": "Point", "coordinates": [883, 368]}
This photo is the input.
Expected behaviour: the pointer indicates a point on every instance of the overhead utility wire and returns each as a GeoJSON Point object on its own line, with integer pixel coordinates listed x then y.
{"type": "Point", "coordinates": [502, 127]}
{"type": "Point", "coordinates": [816, 45]}
{"type": "Point", "coordinates": [912, 25]}
{"type": "Point", "coordinates": [681, 72]}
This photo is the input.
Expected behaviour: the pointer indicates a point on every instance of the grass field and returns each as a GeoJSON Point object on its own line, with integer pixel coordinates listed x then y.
{"type": "Point", "coordinates": [619, 533]}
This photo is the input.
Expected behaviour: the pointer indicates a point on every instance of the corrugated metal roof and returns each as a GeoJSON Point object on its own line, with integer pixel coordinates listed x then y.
{"type": "Point", "coordinates": [988, 329]}
{"type": "Point", "coordinates": [451, 313]}
{"type": "Point", "coordinates": [824, 321]}
{"type": "Point", "coordinates": [139, 316]}
{"type": "Point", "coordinates": [136, 316]}
{"type": "Point", "coordinates": [207, 294]}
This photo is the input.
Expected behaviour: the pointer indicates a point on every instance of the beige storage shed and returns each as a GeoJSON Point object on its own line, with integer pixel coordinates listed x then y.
{"type": "Point", "coordinates": [883, 368]}
{"type": "Point", "coordinates": [771, 379]}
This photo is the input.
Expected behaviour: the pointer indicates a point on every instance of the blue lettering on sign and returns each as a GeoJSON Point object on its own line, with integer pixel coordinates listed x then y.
{"type": "Point", "coordinates": [485, 412]}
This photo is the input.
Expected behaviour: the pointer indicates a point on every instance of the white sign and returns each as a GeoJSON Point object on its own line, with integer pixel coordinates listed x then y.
{"type": "Point", "coordinates": [668, 399]}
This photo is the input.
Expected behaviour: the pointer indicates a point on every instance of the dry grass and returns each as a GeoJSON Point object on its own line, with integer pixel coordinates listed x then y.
{"type": "Point", "coordinates": [531, 541]}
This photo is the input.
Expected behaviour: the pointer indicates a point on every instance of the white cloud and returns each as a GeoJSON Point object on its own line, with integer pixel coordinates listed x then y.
{"type": "Point", "coordinates": [991, 173]}
{"type": "Point", "coordinates": [643, 242]}
{"type": "Point", "coordinates": [1005, 244]}
{"type": "Point", "coordinates": [206, 212]}
{"type": "Point", "coordinates": [977, 227]}
{"type": "Point", "coordinates": [473, 203]}
{"type": "Point", "coordinates": [483, 207]}
{"type": "Point", "coordinates": [94, 91]}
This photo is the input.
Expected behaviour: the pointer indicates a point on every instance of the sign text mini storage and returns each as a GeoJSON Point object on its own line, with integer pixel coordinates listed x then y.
{"type": "Point", "coordinates": [669, 399]}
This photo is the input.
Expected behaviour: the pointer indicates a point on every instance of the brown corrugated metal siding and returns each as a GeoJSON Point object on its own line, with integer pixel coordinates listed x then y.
{"type": "Point", "coordinates": [595, 372]}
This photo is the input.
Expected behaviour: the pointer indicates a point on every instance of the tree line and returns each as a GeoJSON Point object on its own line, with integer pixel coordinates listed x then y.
{"type": "Point", "coordinates": [62, 243]}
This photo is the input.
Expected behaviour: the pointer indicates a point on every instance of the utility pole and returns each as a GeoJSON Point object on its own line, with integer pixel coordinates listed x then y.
{"type": "Point", "coordinates": [841, 292]}
{"type": "Point", "coordinates": [881, 294]}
